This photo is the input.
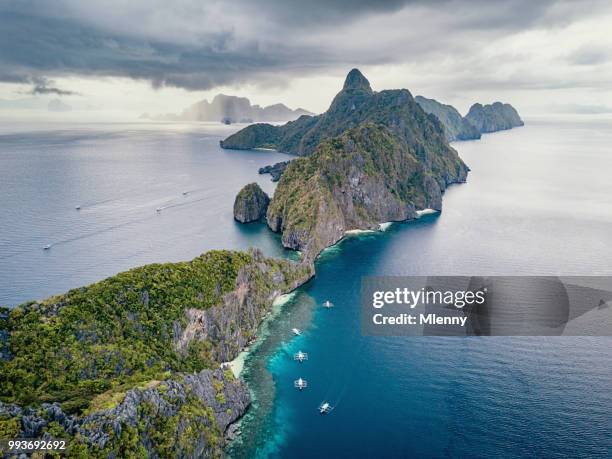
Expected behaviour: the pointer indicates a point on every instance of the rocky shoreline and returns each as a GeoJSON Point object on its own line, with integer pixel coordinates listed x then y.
{"type": "Point", "coordinates": [275, 170]}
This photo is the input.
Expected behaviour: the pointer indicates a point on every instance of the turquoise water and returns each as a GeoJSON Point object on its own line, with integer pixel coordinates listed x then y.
{"type": "Point", "coordinates": [538, 201]}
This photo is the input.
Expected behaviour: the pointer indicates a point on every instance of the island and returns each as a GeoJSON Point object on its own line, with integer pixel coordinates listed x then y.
{"type": "Point", "coordinates": [130, 366]}
{"type": "Point", "coordinates": [494, 117]}
{"type": "Point", "coordinates": [373, 157]}
{"type": "Point", "coordinates": [251, 204]}
{"type": "Point", "coordinates": [231, 109]}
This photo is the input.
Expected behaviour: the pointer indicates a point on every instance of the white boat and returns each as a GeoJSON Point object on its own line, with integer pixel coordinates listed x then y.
{"type": "Point", "coordinates": [78, 207]}
{"type": "Point", "coordinates": [300, 356]}
{"type": "Point", "coordinates": [47, 247]}
{"type": "Point", "coordinates": [159, 209]}
{"type": "Point", "coordinates": [324, 408]}
{"type": "Point", "coordinates": [328, 304]}
{"type": "Point", "coordinates": [185, 193]}
{"type": "Point", "coordinates": [300, 384]}
{"type": "Point", "coordinates": [296, 331]}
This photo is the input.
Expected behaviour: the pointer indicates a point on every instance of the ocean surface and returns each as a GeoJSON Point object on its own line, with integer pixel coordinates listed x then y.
{"type": "Point", "coordinates": [119, 175]}
{"type": "Point", "coordinates": [538, 201]}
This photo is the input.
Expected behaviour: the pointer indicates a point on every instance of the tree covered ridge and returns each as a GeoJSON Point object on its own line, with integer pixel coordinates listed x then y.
{"type": "Point", "coordinates": [119, 332]}
{"type": "Point", "coordinates": [357, 180]}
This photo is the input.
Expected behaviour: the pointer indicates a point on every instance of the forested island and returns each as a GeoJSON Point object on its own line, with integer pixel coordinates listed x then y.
{"type": "Point", "coordinates": [130, 366]}
{"type": "Point", "coordinates": [373, 157]}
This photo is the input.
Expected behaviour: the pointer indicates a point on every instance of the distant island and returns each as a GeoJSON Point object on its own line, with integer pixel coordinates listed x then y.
{"type": "Point", "coordinates": [231, 109]}
{"type": "Point", "coordinates": [480, 119]}
{"type": "Point", "coordinates": [494, 117]}
{"type": "Point", "coordinates": [373, 157]}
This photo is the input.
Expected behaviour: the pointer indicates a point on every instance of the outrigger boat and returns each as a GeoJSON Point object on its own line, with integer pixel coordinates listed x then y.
{"type": "Point", "coordinates": [300, 384]}
{"type": "Point", "coordinates": [324, 408]}
{"type": "Point", "coordinates": [300, 356]}
{"type": "Point", "coordinates": [328, 304]}
{"type": "Point", "coordinates": [296, 331]}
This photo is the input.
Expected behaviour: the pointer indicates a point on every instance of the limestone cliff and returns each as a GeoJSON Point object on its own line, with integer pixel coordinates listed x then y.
{"type": "Point", "coordinates": [250, 204]}
{"type": "Point", "coordinates": [364, 177]}
{"type": "Point", "coordinates": [494, 117]}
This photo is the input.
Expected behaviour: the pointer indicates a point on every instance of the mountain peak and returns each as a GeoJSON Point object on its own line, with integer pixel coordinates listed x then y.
{"type": "Point", "coordinates": [356, 80]}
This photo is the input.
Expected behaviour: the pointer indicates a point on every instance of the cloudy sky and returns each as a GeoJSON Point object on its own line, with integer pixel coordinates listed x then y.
{"type": "Point", "coordinates": [117, 59]}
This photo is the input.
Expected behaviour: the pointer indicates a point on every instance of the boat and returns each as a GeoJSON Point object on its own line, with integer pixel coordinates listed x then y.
{"type": "Point", "coordinates": [324, 408]}
{"type": "Point", "coordinates": [47, 247]}
{"type": "Point", "coordinates": [159, 209]}
{"type": "Point", "coordinates": [300, 384]}
{"type": "Point", "coordinates": [296, 331]}
{"type": "Point", "coordinates": [78, 207]}
{"type": "Point", "coordinates": [300, 356]}
{"type": "Point", "coordinates": [185, 193]}
{"type": "Point", "coordinates": [328, 304]}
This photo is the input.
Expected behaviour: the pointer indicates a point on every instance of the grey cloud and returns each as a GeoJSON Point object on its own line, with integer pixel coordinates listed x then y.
{"type": "Point", "coordinates": [592, 55]}
{"type": "Point", "coordinates": [263, 42]}
{"type": "Point", "coordinates": [43, 86]}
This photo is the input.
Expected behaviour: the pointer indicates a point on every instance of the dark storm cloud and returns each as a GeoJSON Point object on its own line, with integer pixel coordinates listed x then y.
{"type": "Point", "coordinates": [43, 86]}
{"type": "Point", "coordinates": [200, 45]}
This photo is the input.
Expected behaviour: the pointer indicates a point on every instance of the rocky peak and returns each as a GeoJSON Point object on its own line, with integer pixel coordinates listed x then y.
{"type": "Point", "coordinates": [356, 80]}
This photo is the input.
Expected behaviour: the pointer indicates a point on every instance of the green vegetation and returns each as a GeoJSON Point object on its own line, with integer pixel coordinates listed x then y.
{"type": "Point", "coordinates": [354, 105]}
{"type": "Point", "coordinates": [372, 157]}
{"type": "Point", "coordinates": [118, 333]}
{"type": "Point", "coordinates": [91, 348]}
{"type": "Point", "coordinates": [250, 204]}
{"type": "Point", "coordinates": [113, 333]}
{"type": "Point", "coordinates": [357, 180]}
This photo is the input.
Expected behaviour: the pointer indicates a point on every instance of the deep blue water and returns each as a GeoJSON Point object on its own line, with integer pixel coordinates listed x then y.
{"type": "Point", "coordinates": [538, 201]}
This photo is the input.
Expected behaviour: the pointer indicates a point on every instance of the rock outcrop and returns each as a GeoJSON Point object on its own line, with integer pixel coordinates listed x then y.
{"type": "Point", "coordinates": [124, 367]}
{"type": "Point", "coordinates": [455, 126]}
{"type": "Point", "coordinates": [275, 170]}
{"type": "Point", "coordinates": [494, 117]}
{"type": "Point", "coordinates": [364, 177]}
{"type": "Point", "coordinates": [182, 417]}
{"type": "Point", "coordinates": [250, 204]}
